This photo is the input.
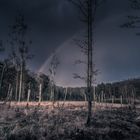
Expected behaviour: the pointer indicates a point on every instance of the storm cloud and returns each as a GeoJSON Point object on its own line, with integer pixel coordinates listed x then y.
{"type": "Point", "coordinates": [53, 25]}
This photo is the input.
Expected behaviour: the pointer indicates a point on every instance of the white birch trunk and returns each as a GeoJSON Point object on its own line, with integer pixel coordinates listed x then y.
{"type": "Point", "coordinates": [66, 91]}
{"type": "Point", "coordinates": [20, 85]}
{"type": "Point", "coordinates": [28, 97]}
{"type": "Point", "coordinates": [17, 86]}
{"type": "Point", "coordinates": [8, 93]}
{"type": "Point", "coordinates": [40, 93]}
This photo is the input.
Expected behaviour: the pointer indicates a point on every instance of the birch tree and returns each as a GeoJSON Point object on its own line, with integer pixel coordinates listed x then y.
{"type": "Point", "coordinates": [52, 73]}
{"type": "Point", "coordinates": [19, 51]}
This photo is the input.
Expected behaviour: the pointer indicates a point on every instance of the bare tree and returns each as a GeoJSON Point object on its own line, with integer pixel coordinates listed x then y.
{"type": "Point", "coordinates": [40, 87]}
{"type": "Point", "coordinates": [52, 73]}
{"type": "Point", "coordinates": [19, 51]}
{"type": "Point", "coordinates": [88, 9]}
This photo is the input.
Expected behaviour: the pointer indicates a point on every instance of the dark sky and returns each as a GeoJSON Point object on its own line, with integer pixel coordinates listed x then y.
{"type": "Point", "coordinates": [53, 26]}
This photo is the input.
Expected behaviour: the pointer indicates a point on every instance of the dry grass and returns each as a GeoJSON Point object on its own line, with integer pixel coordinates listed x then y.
{"type": "Point", "coordinates": [67, 123]}
{"type": "Point", "coordinates": [67, 104]}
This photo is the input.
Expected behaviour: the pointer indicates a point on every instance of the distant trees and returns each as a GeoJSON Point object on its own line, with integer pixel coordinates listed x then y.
{"type": "Point", "coordinates": [125, 91]}
{"type": "Point", "coordinates": [31, 83]}
{"type": "Point", "coordinates": [7, 77]}
{"type": "Point", "coordinates": [128, 91]}
{"type": "Point", "coordinates": [132, 22]}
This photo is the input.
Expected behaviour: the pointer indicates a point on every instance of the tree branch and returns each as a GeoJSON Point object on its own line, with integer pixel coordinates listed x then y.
{"type": "Point", "coordinates": [80, 6]}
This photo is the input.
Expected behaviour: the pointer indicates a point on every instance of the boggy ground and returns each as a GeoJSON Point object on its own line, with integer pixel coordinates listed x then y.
{"type": "Point", "coordinates": [68, 124]}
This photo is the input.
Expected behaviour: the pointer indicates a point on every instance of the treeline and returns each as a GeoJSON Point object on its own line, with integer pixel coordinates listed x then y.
{"type": "Point", "coordinates": [127, 91]}
{"type": "Point", "coordinates": [9, 83]}
{"type": "Point", "coordinates": [32, 81]}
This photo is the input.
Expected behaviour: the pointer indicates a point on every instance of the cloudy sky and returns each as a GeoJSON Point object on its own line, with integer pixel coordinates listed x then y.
{"type": "Point", "coordinates": [53, 26]}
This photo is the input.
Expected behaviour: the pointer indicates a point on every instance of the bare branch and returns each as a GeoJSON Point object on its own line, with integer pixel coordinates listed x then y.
{"type": "Point", "coordinates": [77, 76]}
{"type": "Point", "coordinates": [80, 6]}
{"type": "Point", "coordinates": [83, 44]}
{"type": "Point", "coordinates": [129, 24]}
{"type": "Point", "coordinates": [79, 62]}
{"type": "Point", "coordinates": [95, 72]}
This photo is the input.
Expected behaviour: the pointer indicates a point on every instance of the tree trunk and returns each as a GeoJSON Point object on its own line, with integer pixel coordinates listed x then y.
{"type": "Point", "coordinates": [94, 97]}
{"type": "Point", "coordinates": [66, 91]}
{"type": "Point", "coordinates": [89, 113]}
{"type": "Point", "coordinates": [121, 101]}
{"type": "Point", "coordinates": [8, 93]}
{"type": "Point", "coordinates": [10, 96]}
{"type": "Point", "coordinates": [94, 94]}
{"type": "Point", "coordinates": [1, 79]}
{"type": "Point", "coordinates": [17, 86]}
{"type": "Point", "coordinates": [112, 101]}
{"type": "Point", "coordinates": [28, 97]}
{"type": "Point", "coordinates": [134, 94]}
{"type": "Point", "coordinates": [52, 93]}
{"type": "Point", "coordinates": [20, 84]}
{"type": "Point", "coordinates": [102, 97]}
{"type": "Point", "coordinates": [65, 97]}
{"type": "Point", "coordinates": [89, 64]}
{"type": "Point", "coordinates": [40, 94]}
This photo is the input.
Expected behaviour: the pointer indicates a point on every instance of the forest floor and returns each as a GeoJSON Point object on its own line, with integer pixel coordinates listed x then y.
{"type": "Point", "coordinates": [68, 123]}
